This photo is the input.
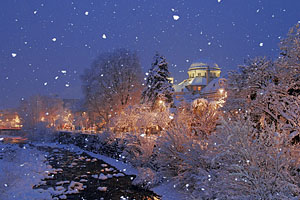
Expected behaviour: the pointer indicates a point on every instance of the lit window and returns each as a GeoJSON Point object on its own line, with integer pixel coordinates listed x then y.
{"type": "Point", "coordinates": [199, 88]}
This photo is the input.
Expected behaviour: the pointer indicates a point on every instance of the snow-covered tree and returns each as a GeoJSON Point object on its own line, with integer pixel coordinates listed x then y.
{"type": "Point", "coordinates": [248, 163]}
{"type": "Point", "coordinates": [290, 50]}
{"type": "Point", "coordinates": [142, 119]}
{"type": "Point", "coordinates": [270, 91]}
{"type": "Point", "coordinates": [113, 82]}
{"type": "Point", "coordinates": [246, 84]}
{"type": "Point", "coordinates": [158, 87]}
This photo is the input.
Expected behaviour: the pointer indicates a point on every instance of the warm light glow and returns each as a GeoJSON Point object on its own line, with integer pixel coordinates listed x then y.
{"type": "Point", "coordinates": [221, 90]}
{"type": "Point", "coordinates": [10, 121]}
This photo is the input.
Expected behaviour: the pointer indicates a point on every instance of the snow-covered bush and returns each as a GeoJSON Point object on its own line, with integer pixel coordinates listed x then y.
{"type": "Point", "coordinates": [138, 149]}
{"type": "Point", "coordinates": [181, 156]}
{"type": "Point", "coordinates": [200, 117]}
{"type": "Point", "coordinates": [251, 164]}
{"type": "Point", "coordinates": [146, 178]}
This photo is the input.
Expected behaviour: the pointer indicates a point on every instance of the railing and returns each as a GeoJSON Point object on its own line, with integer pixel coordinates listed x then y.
{"type": "Point", "coordinates": [9, 128]}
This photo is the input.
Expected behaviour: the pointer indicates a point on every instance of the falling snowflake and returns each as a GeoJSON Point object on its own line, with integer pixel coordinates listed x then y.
{"type": "Point", "coordinates": [13, 55]}
{"type": "Point", "coordinates": [56, 77]}
{"type": "Point", "coordinates": [86, 13]}
{"type": "Point", "coordinates": [67, 85]}
{"type": "Point", "coordinates": [63, 71]}
{"type": "Point", "coordinates": [54, 39]}
{"type": "Point", "coordinates": [103, 36]}
{"type": "Point", "coordinates": [143, 135]}
{"type": "Point", "coordinates": [176, 17]}
{"type": "Point", "coordinates": [261, 44]}
{"type": "Point", "coordinates": [209, 43]}
{"type": "Point", "coordinates": [35, 12]}
{"type": "Point", "coordinates": [45, 83]}
{"type": "Point", "coordinates": [219, 1]}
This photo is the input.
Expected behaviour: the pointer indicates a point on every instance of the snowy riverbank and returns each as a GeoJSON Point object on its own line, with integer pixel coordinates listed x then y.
{"type": "Point", "coordinates": [21, 168]}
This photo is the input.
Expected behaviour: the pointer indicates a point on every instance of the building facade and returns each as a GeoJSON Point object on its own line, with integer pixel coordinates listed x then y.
{"type": "Point", "coordinates": [204, 78]}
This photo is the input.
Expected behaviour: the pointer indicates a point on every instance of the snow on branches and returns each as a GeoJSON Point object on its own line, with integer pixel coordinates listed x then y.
{"type": "Point", "coordinates": [158, 86]}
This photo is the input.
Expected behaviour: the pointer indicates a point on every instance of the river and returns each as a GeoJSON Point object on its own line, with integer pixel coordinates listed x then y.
{"type": "Point", "coordinates": [62, 174]}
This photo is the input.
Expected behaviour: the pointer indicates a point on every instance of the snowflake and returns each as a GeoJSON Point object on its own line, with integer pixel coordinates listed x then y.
{"type": "Point", "coordinates": [45, 83]}
{"type": "Point", "coordinates": [176, 17]}
{"type": "Point", "coordinates": [54, 39]}
{"type": "Point", "coordinates": [35, 12]}
{"type": "Point", "coordinates": [13, 55]}
{"type": "Point", "coordinates": [86, 13]}
{"type": "Point", "coordinates": [219, 1]}
{"type": "Point", "coordinates": [103, 36]}
{"type": "Point", "coordinates": [261, 44]}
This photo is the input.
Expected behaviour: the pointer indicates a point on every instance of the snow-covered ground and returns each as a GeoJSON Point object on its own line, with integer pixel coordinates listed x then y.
{"type": "Point", "coordinates": [20, 169]}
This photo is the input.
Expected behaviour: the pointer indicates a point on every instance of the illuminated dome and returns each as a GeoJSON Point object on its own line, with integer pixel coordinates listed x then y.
{"type": "Point", "coordinates": [203, 64]}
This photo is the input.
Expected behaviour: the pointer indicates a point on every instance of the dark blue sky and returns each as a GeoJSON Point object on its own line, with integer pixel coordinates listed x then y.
{"type": "Point", "coordinates": [45, 45]}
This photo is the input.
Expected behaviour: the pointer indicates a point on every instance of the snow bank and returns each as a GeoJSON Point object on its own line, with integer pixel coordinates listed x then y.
{"type": "Point", "coordinates": [21, 169]}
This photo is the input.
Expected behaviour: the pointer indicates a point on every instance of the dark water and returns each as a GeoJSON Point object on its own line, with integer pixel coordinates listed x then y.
{"type": "Point", "coordinates": [83, 169]}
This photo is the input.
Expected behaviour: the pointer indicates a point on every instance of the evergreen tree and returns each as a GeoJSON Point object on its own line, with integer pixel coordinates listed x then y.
{"type": "Point", "coordinates": [158, 86]}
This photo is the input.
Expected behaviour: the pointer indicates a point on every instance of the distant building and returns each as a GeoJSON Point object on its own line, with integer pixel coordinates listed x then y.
{"type": "Point", "coordinates": [9, 119]}
{"type": "Point", "coordinates": [203, 78]}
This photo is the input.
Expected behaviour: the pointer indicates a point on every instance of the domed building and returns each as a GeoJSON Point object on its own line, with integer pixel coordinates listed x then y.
{"type": "Point", "coordinates": [200, 75]}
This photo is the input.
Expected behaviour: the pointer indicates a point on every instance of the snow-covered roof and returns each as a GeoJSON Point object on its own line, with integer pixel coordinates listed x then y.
{"type": "Point", "coordinates": [212, 86]}
{"type": "Point", "coordinates": [198, 81]}
{"type": "Point", "coordinates": [181, 86]}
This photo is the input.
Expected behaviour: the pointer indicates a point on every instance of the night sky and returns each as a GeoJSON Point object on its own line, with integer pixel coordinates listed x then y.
{"type": "Point", "coordinates": [45, 45]}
